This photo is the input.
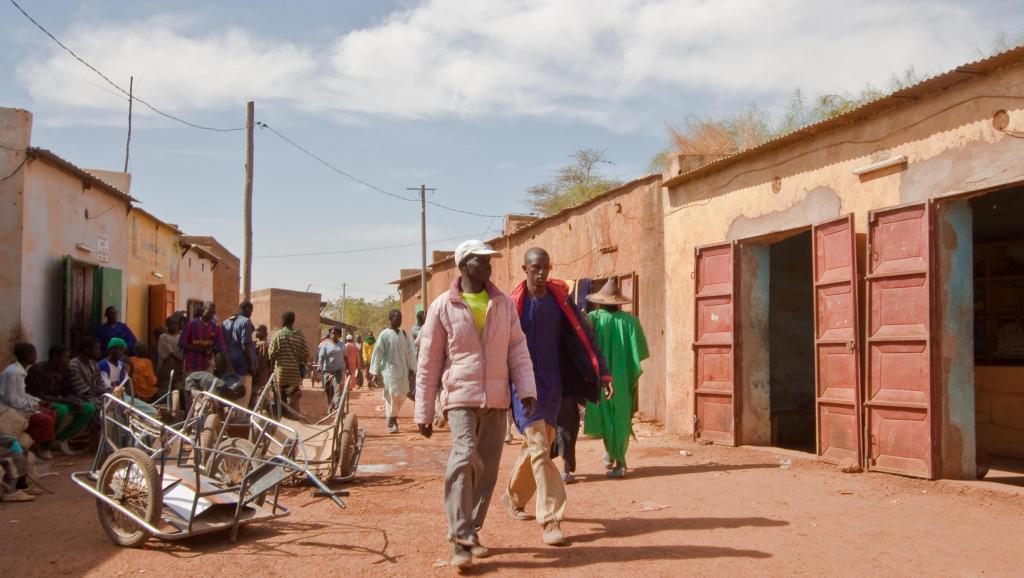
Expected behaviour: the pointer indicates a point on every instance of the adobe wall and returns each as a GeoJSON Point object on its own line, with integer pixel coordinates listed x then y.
{"type": "Point", "coordinates": [15, 133]}
{"type": "Point", "coordinates": [195, 282]}
{"type": "Point", "coordinates": [153, 249]}
{"type": "Point", "coordinates": [61, 214]}
{"type": "Point", "coordinates": [951, 148]}
{"type": "Point", "coordinates": [270, 304]}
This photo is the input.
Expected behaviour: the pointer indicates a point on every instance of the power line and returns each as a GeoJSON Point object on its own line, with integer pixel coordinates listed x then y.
{"type": "Point", "coordinates": [348, 175]}
{"type": "Point", "coordinates": [114, 84]}
{"type": "Point", "coordinates": [349, 251]}
{"type": "Point", "coordinates": [330, 166]}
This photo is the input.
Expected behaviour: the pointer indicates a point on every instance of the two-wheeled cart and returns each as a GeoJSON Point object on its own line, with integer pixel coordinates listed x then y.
{"type": "Point", "coordinates": [175, 481]}
{"type": "Point", "coordinates": [333, 444]}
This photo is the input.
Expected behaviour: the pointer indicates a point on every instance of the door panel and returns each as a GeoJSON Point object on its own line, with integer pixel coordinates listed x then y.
{"type": "Point", "coordinates": [899, 396]}
{"type": "Point", "coordinates": [837, 357]}
{"type": "Point", "coordinates": [714, 344]}
{"type": "Point", "coordinates": [157, 307]}
{"type": "Point", "coordinates": [108, 290]}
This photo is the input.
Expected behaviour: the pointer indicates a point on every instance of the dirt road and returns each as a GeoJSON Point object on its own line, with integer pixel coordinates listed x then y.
{"type": "Point", "coordinates": [719, 511]}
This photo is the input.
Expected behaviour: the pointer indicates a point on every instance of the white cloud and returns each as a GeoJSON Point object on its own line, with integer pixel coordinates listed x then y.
{"type": "Point", "coordinates": [586, 59]}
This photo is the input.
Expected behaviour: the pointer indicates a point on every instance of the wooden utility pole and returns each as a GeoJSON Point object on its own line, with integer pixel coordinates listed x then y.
{"type": "Point", "coordinates": [344, 298]}
{"type": "Point", "coordinates": [250, 109]}
{"type": "Point", "coordinates": [423, 244]}
{"type": "Point", "coordinates": [128, 143]}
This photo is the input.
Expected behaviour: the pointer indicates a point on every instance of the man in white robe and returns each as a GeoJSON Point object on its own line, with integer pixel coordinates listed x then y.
{"type": "Point", "coordinates": [393, 366]}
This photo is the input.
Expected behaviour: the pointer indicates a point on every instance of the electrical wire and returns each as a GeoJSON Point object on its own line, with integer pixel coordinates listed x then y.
{"type": "Point", "coordinates": [117, 86]}
{"type": "Point", "coordinates": [350, 176]}
{"type": "Point", "coordinates": [349, 251]}
{"type": "Point", "coordinates": [320, 160]}
{"type": "Point", "coordinates": [16, 169]}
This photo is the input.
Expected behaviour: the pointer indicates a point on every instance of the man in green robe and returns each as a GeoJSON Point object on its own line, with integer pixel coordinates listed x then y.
{"type": "Point", "coordinates": [622, 341]}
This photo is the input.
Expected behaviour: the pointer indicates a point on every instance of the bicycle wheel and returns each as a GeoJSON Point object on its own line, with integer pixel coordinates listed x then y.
{"type": "Point", "coordinates": [129, 478]}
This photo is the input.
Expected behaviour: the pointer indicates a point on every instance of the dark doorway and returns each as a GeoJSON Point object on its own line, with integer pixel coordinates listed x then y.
{"type": "Point", "coordinates": [998, 232]}
{"type": "Point", "coordinates": [791, 343]}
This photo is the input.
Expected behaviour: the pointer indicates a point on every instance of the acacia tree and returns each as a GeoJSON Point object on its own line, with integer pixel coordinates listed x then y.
{"type": "Point", "coordinates": [366, 315]}
{"type": "Point", "coordinates": [580, 180]}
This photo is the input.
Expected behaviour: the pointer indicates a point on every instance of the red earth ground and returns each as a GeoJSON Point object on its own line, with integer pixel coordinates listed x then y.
{"type": "Point", "coordinates": [719, 511]}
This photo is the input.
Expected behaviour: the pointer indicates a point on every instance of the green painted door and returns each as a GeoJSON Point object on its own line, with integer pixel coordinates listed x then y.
{"type": "Point", "coordinates": [107, 291]}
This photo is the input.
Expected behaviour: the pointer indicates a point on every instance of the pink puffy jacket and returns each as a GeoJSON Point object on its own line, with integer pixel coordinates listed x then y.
{"type": "Point", "coordinates": [469, 370]}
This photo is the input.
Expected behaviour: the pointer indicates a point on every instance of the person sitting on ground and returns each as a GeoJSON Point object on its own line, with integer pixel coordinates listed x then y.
{"type": "Point", "coordinates": [41, 418]}
{"type": "Point", "coordinates": [144, 382]}
{"type": "Point", "coordinates": [112, 367]}
{"type": "Point", "coordinates": [86, 379]}
{"type": "Point", "coordinates": [50, 381]}
{"type": "Point", "coordinates": [112, 328]}
{"type": "Point", "coordinates": [14, 467]}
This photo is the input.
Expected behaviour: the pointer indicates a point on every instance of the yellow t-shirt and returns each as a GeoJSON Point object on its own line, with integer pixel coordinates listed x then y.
{"type": "Point", "coordinates": [478, 307]}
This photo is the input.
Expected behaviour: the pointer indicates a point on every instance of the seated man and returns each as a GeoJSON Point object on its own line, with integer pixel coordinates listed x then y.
{"type": "Point", "coordinates": [51, 382]}
{"type": "Point", "coordinates": [14, 468]}
{"type": "Point", "coordinates": [12, 393]}
{"type": "Point", "coordinates": [144, 382]}
{"type": "Point", "coordinates": [115, 372]}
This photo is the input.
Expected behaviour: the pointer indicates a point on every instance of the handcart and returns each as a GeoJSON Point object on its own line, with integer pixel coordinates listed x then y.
{"type": "Point", "coordinates": [177, 481]}
{"type": "Point", "coordinates": [333, 444]}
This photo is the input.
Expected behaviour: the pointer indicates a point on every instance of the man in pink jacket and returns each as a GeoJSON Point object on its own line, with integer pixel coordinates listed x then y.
{"type": "Point", "coordinates": [471, 347]}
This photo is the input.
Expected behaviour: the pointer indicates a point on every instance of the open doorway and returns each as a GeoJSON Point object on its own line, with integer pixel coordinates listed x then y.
{"type": "Point", "coordinates": [998, 249]}
{"type": "Point", "coordinates": [791, 343]}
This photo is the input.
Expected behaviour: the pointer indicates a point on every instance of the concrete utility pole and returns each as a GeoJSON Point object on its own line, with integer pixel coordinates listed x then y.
{"type": "Point", "coordinates": [423, 244]}
{"type": "Point", "coordinates": [250, 109]}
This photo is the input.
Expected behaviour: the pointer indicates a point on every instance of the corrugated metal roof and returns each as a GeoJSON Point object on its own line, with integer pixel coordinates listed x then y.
{"type": "Point", "coordinates": [69, 167]}
{"type": "Point", "coordinates": [901, 97]}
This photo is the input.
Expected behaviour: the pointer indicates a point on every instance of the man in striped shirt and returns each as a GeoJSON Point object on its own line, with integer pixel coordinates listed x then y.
{"type": "Point", "coordinates": [202, 337]}
{"type": "Point", "coordinates": [288, 353]}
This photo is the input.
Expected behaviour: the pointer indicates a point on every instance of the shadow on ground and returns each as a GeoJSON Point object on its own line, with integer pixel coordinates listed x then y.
{"type": "Point", "coordinates": [660, 471]}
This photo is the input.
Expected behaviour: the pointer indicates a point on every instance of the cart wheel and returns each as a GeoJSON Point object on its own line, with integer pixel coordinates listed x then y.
{"type": "Point", "coordinates": [129, 478]}
{"type": "Point", "coordinates": [230, 467]}
{"type": "Point", "coordinates": [345, 445]}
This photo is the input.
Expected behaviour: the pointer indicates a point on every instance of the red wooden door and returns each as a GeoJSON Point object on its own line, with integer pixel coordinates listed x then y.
{"type": "Point", "coordinates": [836, 348]}
{"type": "Point", "coordinates": [714, 344]}
{"type": "Point", "coordinates": [899, 395]}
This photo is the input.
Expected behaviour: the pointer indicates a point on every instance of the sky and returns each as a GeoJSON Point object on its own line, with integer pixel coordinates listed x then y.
{"type": "Point", "coordinates": [478, 100]}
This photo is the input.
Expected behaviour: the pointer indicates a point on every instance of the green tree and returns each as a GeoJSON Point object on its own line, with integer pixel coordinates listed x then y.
{"type": "Point", "coordinates": [580, 180]}
{"type": "Point", "coordinates": [366, 315]}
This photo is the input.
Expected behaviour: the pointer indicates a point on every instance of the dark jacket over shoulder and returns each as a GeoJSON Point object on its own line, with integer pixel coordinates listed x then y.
{"type": "Point", "coordinates": [581, 363]}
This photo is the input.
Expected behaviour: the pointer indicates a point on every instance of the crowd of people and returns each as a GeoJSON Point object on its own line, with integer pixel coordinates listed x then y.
{"type": "Point", "coordinates": [481, 358]}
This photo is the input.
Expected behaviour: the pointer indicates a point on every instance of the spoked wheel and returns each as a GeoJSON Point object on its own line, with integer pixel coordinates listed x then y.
{"type": "Point", "coordinates": [345, 445]}
{"type": "Point", "coordinates": [129, 478]}
{"type": "Point", "coordinates": [230, 464]}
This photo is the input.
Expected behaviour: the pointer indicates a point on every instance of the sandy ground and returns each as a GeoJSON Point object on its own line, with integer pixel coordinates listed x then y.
{"type": "Point", "coordinates": [719, 511]}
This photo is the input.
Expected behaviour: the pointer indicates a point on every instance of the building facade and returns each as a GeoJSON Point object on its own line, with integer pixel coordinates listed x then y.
{"type": "Point", "coordinates": [270, 304]}
{"type": "Point", "coordinates": [856, 288]}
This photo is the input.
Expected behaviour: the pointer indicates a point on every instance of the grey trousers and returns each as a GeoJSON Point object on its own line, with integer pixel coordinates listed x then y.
{"type": "Point", "coordinates": [478, 437]}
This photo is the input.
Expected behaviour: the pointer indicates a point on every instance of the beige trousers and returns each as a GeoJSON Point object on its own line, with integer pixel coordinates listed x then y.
{"type": "Point", "coordinates": [534, 472]}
